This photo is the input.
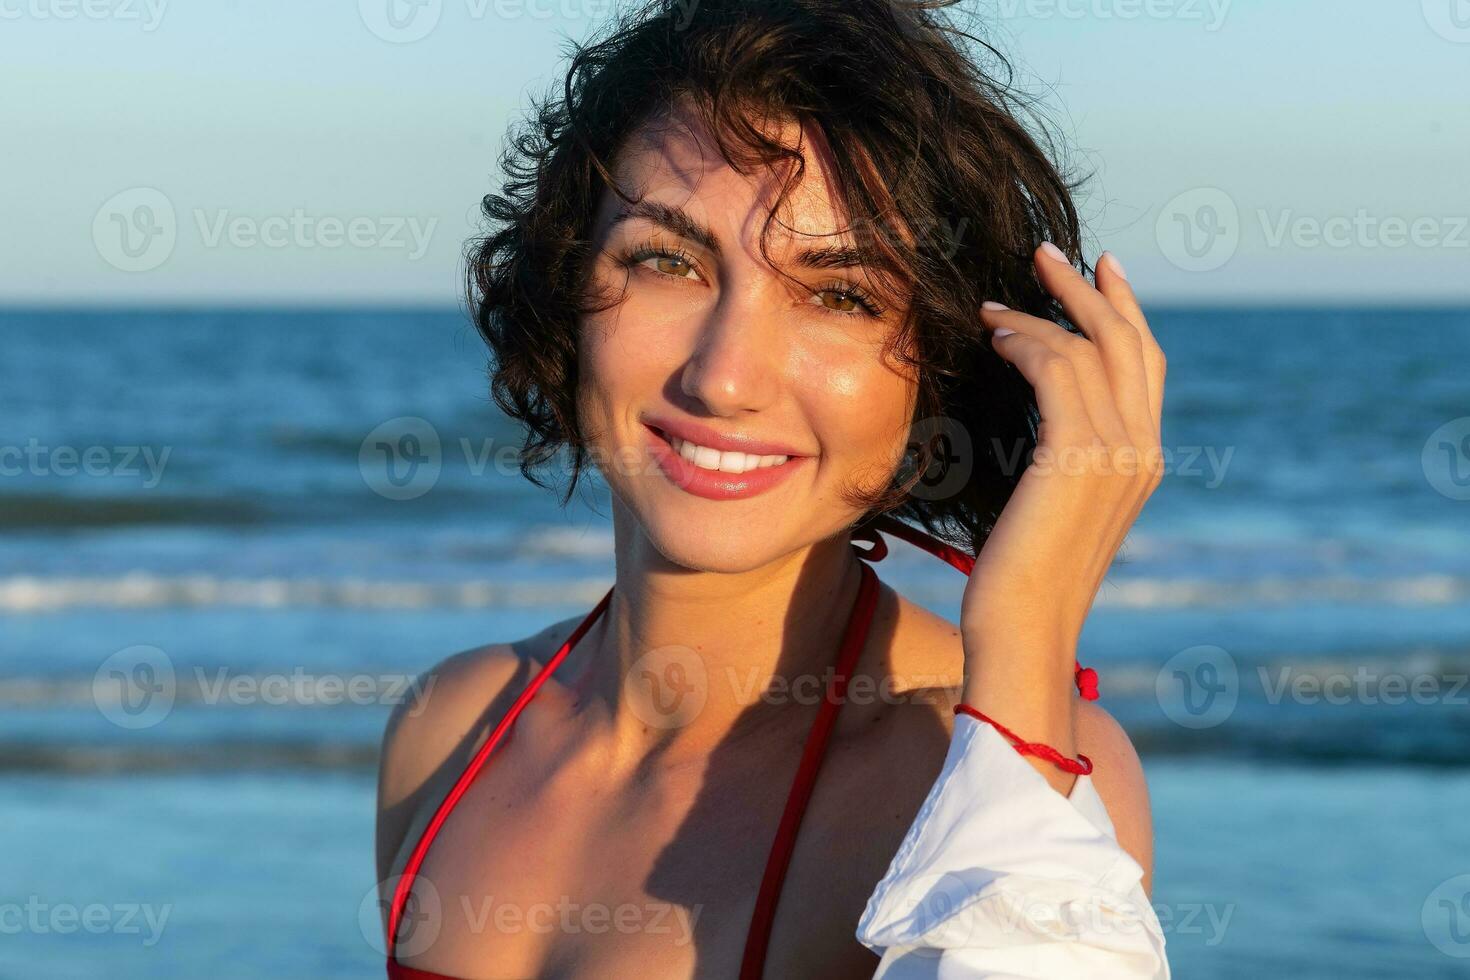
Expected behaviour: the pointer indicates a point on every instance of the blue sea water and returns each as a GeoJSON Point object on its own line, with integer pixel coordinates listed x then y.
{"type": "Point", "coordinates": [203, 494]}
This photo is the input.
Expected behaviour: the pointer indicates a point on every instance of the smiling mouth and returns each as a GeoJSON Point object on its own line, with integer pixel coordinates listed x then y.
{"type": "Point", "coordinates": [718, 461]}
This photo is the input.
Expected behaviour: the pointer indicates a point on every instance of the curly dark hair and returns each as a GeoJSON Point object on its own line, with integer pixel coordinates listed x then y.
{"type": "Point", "coordinates": [930, 153]}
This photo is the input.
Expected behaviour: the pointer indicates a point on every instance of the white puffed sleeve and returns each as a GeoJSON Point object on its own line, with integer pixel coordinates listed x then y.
{"type": "Point", "coordinates": [1003, 878]}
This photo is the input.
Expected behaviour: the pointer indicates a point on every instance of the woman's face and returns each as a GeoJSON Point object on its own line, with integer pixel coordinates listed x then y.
{"type": "Point", "coordinates": [713, 368]}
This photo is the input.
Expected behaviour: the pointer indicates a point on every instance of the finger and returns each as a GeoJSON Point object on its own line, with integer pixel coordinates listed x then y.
{"type": "Point", "coordinates": [1112, 282]}
{"type": "Point", "coordinates": [1058, 392]}
{"type": "Point", "coordinates": [1117, 339]}
{"type": "Point", "coordinates": [1094, 385]}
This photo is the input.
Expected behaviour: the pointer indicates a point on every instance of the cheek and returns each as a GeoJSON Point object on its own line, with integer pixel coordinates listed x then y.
{"type": "Point", "coordinates": [624, 357]}
{"type": "Point", "coordinates": [639, 337]}
{"type": "Point", "coordinates": [860, 408]}
{"type": "Point", "coordinates": [599, 364]}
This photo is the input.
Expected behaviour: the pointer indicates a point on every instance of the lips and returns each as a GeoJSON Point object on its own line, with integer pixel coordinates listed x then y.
{"type": "Point", "coordinates": [714, 484]}
{"type": "Point", "coordinates": [704, 435]}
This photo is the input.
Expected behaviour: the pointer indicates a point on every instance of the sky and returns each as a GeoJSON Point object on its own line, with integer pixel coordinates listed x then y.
{"type": "Point", "coordinates": [274, 152]}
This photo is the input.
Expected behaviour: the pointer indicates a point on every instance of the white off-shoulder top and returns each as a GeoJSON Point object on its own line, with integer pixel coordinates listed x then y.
{"type": "Point", "coordinates": [1001, 877]}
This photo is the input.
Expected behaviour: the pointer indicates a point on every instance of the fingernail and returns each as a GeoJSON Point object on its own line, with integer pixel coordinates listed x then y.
{"type": "Point", "coordinates": [1116, 265]}
{"type": "Point", "coordinates": [1002, 332]}
{"type": "Point", "coordinates": [1054, 252]}
{"type": "Point", "coordinates": [990, 304]}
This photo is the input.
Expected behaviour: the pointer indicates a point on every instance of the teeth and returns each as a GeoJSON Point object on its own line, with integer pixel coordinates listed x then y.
{"type": "Point", "coordinates": [726, 462]}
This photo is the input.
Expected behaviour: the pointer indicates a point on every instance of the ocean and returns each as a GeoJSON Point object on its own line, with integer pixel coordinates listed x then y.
{"type": "Point", "coordinates": [228, 539]}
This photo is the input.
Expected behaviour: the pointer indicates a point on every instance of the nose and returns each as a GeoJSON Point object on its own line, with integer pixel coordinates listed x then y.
{"type": "Point", "coordinates": [735, 365]}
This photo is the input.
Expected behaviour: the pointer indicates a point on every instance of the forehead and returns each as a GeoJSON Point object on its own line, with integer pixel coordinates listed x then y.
{"type": "Point", "coordinates": [674, 159]}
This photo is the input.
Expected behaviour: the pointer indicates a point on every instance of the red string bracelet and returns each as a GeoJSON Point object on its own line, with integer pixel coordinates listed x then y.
{"type": "Point", "coordinates": [1080, 766]}
{"type": "Point", "coordinates": [1086, 679]}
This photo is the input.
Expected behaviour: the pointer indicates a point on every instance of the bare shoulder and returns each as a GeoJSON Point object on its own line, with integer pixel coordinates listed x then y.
{"type": "Point", "coordinates": [925, 670]}
{"type": "Point", "coordinates": [902, 692]}
{"type": "Point", "coordinates": [925, 664]}
{"type": "Point", "coordinates": [435, 727]}
{"type": "Point", "coordinates": [1118, 777]}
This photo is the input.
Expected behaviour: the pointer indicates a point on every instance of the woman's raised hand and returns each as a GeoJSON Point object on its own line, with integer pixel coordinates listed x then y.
{"type": "Point", "coordinates": [1098, 458]}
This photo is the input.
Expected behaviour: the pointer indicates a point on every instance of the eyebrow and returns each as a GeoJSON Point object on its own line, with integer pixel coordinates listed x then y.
{"type": "Point", "coordinates": [681, 223]}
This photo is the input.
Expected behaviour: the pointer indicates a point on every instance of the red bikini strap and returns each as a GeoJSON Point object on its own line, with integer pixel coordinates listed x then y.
{"type": "Point", "coordinates": [1085, 677]}
{"type": "Point", "coordinates": [416, 859]}
{"type": "Point", "coordinates": [759, 936]}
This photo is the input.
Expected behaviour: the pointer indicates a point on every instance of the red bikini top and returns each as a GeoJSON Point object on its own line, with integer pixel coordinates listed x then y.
{"type": "Point", "coordinates": [853, 639]}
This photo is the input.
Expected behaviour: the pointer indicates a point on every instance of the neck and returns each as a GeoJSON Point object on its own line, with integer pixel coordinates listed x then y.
{"type": "Point", "coordinates": [683, 661]}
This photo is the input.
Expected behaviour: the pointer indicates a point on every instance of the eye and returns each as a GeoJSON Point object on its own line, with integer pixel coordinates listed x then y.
{"type": "Point", "coordinates": [672, 262]}
{"type": "Point", "coordinates": [848, 299]}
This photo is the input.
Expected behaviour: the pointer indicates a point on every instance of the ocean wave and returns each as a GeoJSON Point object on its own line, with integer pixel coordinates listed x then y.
{"type": "Point", "coordinates": [37, 512]}
{"type": "Point", "coordinates": [200, 684]}
{"type": "Point", "coordinates": [218, 686]}
{"type": "Point", "coordinates": [147, 590]}
{"type": "Point", "coordinates": [1334, 746]}
{"type": "Point", "coordinates": [210, 757]}
{"type": "Point", "coordinates": [1370, 719]}
{"type": "Point", "coordinates": [143, 590]}
{"type": "Point", "coordinates": [1369, 669]}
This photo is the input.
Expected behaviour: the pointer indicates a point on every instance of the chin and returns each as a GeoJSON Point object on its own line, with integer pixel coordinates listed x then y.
{"type": "Point", "coordinates": [702, 543]}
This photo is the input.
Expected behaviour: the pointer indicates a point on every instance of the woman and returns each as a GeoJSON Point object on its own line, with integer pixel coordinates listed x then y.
{"type": "Point", "coordinates": [739, 267]}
